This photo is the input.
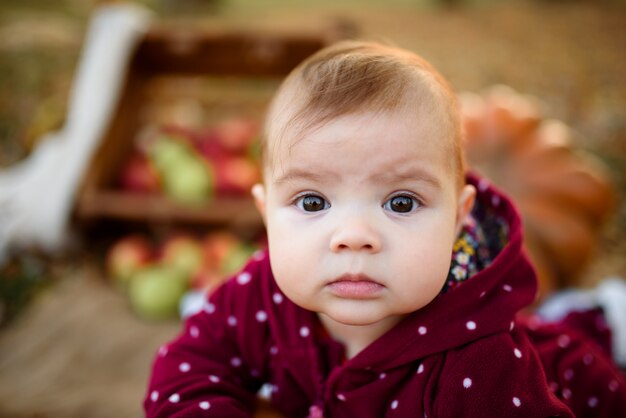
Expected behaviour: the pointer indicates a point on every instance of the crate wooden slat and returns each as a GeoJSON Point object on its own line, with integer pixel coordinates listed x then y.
{"type": "Point", "coordinates": [138, 207]}
{"type": "Point", "coordinates": [231, 54]}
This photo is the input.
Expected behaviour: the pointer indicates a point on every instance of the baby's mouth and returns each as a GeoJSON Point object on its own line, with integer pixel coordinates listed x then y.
{"type": "Point", "coordinates": [355, 286]}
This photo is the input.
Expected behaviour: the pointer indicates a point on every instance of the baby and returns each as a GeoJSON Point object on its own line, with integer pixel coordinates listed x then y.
{"type": "Point", "coordinates": [392, 281]}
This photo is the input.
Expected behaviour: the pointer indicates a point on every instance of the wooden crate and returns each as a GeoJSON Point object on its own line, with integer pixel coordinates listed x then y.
{"type": "Point", "coordinates": [165, 53]}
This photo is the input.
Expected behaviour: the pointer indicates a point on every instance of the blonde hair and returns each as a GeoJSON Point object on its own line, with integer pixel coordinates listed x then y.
{"type": "Point", "coordinates": [351, 77]}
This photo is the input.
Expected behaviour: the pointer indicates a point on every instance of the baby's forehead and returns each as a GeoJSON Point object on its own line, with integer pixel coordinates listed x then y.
{"type": "Point", "coordinates": [350, 127]}
{"type": "Point", "coordinates": [399, 149]}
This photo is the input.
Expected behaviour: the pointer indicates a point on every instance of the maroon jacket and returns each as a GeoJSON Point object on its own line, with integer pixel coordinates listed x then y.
{"type": "Point", "coordinates": [463, 355]}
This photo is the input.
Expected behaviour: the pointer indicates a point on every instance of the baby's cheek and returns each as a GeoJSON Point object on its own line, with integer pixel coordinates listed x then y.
{"type": "Point", "coordinates": [431, 267]}
{"type": "Point", "coordinates": [286, 260]}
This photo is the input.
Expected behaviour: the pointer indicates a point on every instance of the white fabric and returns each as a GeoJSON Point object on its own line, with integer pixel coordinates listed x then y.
{"type": "Point", "coordinates": [191, 303]}
{"type": "Point", "coordinates": [610, 295]}
{"type": "Point", "coordinates": [37, 195]}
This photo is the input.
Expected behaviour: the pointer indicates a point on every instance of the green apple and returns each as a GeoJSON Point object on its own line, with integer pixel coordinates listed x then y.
{"type": "Point", "coordinates": [155, 291]}
{"type": "Point", "coordinates": [167, 152]}
{"type": "Point", "coordinates": [126, 256]}
{"type": "Point", "coordinates": [184, 253]}
{"type": "Point", "coordinates": [188, 180]}
{"type": "Point", "coordinates": [236, 259]}
{"type": "Point", "coordinates": [185, 176]}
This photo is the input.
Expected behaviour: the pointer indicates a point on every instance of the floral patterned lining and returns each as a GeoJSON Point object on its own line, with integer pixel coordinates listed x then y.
{"type": "Point", "coordinates": [483, 236]}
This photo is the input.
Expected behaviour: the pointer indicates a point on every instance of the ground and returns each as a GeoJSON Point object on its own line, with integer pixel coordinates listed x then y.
{"type": "Point", "coordinates": [77, 350]}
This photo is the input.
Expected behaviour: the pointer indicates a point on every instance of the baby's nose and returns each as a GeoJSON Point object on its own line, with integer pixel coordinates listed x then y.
{"type": "Point", "coordinates": [355, 235]}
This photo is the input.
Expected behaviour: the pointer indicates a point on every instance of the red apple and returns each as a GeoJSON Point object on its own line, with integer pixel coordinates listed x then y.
{"type": "Point", "coordinates": [236, 175]}
{"type": "Point", "coordinates": [236, 135]}
{"type": "Point", "coordinates": [206, 279]}
{"type": "Point", "coordinates": [138, 175]}
{"type": "Point", "coordinates": [209, 147]}
{"type": "Point", "coordinates": [184, 253]}
{"type": "Point", "coordinates": [126, 256]}
{"type": "Point", "coordinates": [216, 247]}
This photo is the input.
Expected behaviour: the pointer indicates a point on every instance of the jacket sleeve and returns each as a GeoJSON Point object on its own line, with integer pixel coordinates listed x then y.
{"type": "Point", "coordinates": [203, 372]}
{"type": "Point", "coordinates": [496, 376]}
{"type": "Point", "coordinates": [576, 358]}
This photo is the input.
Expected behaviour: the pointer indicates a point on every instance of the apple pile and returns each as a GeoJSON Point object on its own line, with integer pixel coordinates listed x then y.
{"type": "Point", "coordinates": [156, 276]}
{"type": "Point", "coordinates": [193, 166]}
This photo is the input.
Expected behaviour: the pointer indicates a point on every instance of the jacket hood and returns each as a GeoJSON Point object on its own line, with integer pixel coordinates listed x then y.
{"type": "Point", "coordinates": [505, 284]}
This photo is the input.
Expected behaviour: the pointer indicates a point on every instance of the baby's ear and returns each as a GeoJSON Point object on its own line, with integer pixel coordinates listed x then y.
{"type": "Point", "coordinates": [258, 193]}
{"type": "Point", "coordinates": [465, 205]}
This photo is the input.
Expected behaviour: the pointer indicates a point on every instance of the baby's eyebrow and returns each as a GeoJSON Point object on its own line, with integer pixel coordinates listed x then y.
{"type": "Point", "coordinates": [300, 174]}
{"type": "Point", "coordinates": [411, 174]}
{"type": "Point", "coordinates": [391, 176]}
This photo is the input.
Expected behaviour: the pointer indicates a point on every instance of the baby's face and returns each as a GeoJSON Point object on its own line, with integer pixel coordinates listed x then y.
{"type": "Point", "coordinates": [361, 217]}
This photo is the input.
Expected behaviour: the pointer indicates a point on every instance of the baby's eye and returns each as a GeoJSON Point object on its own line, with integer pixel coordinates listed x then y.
{"type": "Point", "coordinates": [401, 204]}
{"type": "Point", "coordinates": [312, 203]}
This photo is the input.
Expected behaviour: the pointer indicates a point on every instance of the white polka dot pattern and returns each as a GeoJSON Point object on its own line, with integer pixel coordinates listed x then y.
{"type": "Point", "coordinates": [563, 341]}
{"type": "Point", "coordinates": [422, 330]}
{"type": "Point", "coordinates": [204, 405]}
{"type": "Point", "coordinates": [516, 401]}
{"type": "Point", "coordinates": [174, 398]}
{"type": "Point", "coordinates": [209, 308]}
{"type": "Point", "coordinates": [566, 393]}
{"type": "Point", "coordinates": [467, 383]}
{"type": "Point", "coordinates": [244, 278]}
{"type": "Point", "coordinates": [470, 325]}
{"type": "Point", "coordinates": [184, 367]}
{"type": "Point", "coordinates": [261, 316]}
{"type": "Point", "coordinates": [194, 331]}
{"type": "Point", "coordinates": [304, 332]}
{"type": "Point", "coordinates": [592, 402]}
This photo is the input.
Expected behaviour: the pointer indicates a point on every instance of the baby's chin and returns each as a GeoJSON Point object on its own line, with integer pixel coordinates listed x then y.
{"type": "Point", "coordinates": [364, 319]}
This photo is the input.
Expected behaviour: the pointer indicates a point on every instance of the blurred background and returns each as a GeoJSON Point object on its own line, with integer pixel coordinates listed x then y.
{"type": "Point", "coordinates": [158, 208]}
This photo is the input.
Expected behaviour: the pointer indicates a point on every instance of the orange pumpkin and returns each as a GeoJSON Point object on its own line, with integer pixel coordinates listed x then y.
{"type": "Point", "coordinates": [564, 194]}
